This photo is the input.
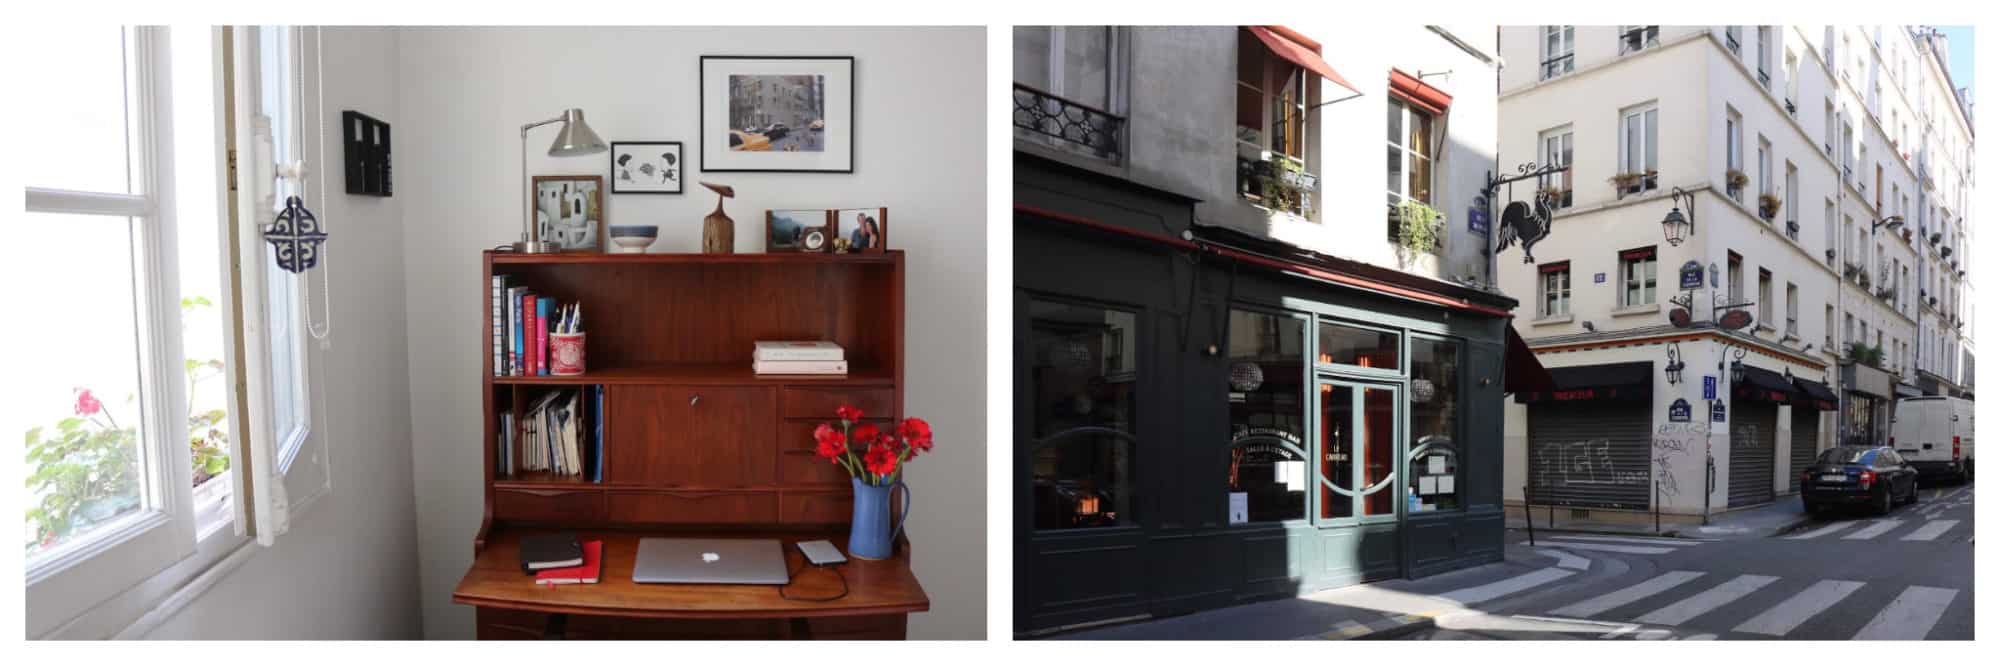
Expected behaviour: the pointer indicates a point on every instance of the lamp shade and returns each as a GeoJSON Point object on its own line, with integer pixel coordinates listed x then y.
{"type": "Point", "coordinates": [575, 138]}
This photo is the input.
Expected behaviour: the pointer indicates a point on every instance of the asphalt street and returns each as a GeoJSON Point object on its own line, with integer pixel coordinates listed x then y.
{"type": "Point", "coordinates": [1907, 575]}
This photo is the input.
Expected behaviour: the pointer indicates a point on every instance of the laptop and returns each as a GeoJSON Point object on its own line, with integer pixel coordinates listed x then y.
{"type": "Point", "coordinates": [723, 561]}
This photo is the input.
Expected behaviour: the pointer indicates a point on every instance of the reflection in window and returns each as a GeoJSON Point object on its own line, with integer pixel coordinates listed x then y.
{"type": "Point", "coordinates": [1336, 466]}
{"type": "Point", "coordinates": [1267, 462]}
{"type": "Point", "coordinates": [1084, 382]}
{"type": "Point", "coordinates": [1347, 345]}
{"type": "Point", "coordinates": [1434, 384]}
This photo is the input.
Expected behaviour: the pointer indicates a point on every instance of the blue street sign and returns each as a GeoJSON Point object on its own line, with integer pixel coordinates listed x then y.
{"type": "Point", "coordinates": [1597, 279]}
{"type": "Point", "coordinates": [1708, 387]}
{"type": "Point", "coordinates": [1476, 216]}
{"type": "Point", "coordinates": [1718, 413]}
{"type": "Point", "coordinates": [1691, 275]}
{"type": "Point", "coordinates": [1680, 412]}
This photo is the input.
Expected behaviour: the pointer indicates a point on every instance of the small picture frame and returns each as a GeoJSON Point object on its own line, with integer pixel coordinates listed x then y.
{"type": "Point", "coordinates": [862, 229]}
{"type": "Point", "coordinates": [798, 230]}
{"type": "Point", "coordinates": [569, 211]}
{"type": "Point", "coordinates": [647, 167]}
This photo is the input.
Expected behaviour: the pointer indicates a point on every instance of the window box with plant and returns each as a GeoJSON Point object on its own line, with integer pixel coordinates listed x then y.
{"type": "Point", "coordinates": [1734, 181]}
{"type": "Point", "coordinates": [1635, 182]}
{"type": "Point", "coordinates": [1864, 354]}
{"type": "Point", "coordinates": [1557, 196]}
{"type": "Point", "coordinates": [1419, 227]}
{"type": "Point", "coordinates": [1768, 205]}
{"type": "Point", "coordinates": [1280, 184]}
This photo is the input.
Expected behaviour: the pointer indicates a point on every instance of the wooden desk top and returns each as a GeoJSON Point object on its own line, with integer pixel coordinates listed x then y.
{"type": "Point", "coordinates": [874, 587]}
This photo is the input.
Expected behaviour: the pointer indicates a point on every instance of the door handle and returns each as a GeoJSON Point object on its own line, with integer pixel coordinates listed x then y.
{"type": "Point", "coordinates": [696, 400]}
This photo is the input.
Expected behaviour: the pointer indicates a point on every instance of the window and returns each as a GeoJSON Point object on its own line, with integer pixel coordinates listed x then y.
{"type": "Point", "coordinates": [1828, 342]}
{"type": "Point", "coordinates": [1764, 182]}
{"type": "Point", "coordinates": [1732, 37]}
{"type": "Point", "coordinates": [1764, 56]}
{"type": "Point", "coordinates": [1847, 328]}
{"type": "Point", "coordinates": [1078, 65]}
{"type": "Point", "coordinates": [1271, 100]}
{"type": "Point", "coordinates": [1791, 310]}
{"type": "Point", "coordinates": [1554, 290]}
{"type": "Point", "coordinates": [1828, 122]}
{"type": "Point", "coordinates": [1791, 201]}
{"type": "Point", "coordinates": [1635, 38]}
{"type": "Point", "coordinates": [1341, 344]}
{"type": "Point", "coordinates": [1791, 82]}
{"type": "Point", "coordinates": [1410, 154]}
{"type": "Point", "coordinates": [1435, 371]}
{"type": "Point", "coordinates": [1732, 149]}
{"type": "Point", "coordinates": [1831, 237]}
{"type": "Point", "coordinates": [1267, 412]}
{"type": "Point", "coordinates": [1735, 278]}
{"type": "Point", "coordinates": [1638, 277]}
{"type": "Point", "coordinates": [1638, 149]}
{"type": "Point", "coordinates": [1083, 424]}
{"type": "Point", "coordinates": [1764, 298]}
{"type": "Point", "coordinates": [1558, 146]}
{"type": "Point", "coordinates": [1558, 50]}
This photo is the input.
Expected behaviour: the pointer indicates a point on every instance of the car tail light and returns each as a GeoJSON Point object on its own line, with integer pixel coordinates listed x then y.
{"type": "Point", "coordinates": [1892, 441]}
{"type": "Point", "coordinates": [1954, 448]}
{"type": "Point", "coordinates": [1867, 478]}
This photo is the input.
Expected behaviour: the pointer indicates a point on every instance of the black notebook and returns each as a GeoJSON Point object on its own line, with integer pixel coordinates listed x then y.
{"type": "Point", "coordinates": [550, 551]}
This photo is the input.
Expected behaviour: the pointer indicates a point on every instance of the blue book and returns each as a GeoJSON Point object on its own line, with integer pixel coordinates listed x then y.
{"type": "Point", "coordinates": [543, 305]}
{"type": "Point", "coordinates": [597, 434]}
{"type": "Point", "coordinates": [514, 347]}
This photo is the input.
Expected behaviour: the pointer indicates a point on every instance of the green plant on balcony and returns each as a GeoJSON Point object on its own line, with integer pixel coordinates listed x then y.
{"type": "Point", "coordinates": [1864, 354]}
{"type": "Point", "coordinates": [1418, 225]}
{"type": "Point", "coordinates": [1285, 185]}
{"type": "Point", "coordinates": [1768, 205]}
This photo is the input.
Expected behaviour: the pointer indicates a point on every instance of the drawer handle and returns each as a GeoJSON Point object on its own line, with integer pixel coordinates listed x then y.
{"type": "Point", "coordinates": [694, 401]}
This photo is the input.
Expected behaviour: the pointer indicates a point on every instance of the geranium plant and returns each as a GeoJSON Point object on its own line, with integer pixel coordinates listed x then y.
{"type": "Point", "coordinates": [868, 453]}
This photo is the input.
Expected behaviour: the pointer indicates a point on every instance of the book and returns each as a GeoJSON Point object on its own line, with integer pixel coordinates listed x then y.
{"type": "Point", "coordinates": [800, 367]}
{"type": "Point", "coordinates": [550, 551]}
{"type": "Point", "coordinates": [586, 573]}
{"type": "Point", "coordinates": [543, 305]}
{"type": "Point", "coordinates": [499, 314]}
{"type": "Point", "coordinates": [597, 434]}
{"type": "Point", "coordinates": [804, 350]}
{"type": "Point", "coordinates": [514, 330]}
{"type": "Point", "coordinates": [528, 322]}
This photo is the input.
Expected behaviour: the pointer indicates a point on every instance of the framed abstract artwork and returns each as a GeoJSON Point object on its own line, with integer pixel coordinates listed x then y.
{"type": "Point", "coordinates": [647, 167]}
{"type": "Point", "coordinates": [569, 211]}
{"type": "Point", "coordinates": [777, 113]}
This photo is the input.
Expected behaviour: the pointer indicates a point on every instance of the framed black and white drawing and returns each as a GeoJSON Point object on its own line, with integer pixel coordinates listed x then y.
{"type": "Point", "coordinates": [780, 114]}
{"type": "Point", "coordinates": [646, 167]}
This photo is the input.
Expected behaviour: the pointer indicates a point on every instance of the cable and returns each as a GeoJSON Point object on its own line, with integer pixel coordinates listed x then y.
{"type": "Point", "coordinates": [319, 332]}
{"type": "Point", "coordinates": [795, 573]}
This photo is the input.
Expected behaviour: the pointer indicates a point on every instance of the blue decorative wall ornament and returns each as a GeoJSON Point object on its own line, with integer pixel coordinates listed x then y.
{"type": "Point", "coordinates": [295, 236]}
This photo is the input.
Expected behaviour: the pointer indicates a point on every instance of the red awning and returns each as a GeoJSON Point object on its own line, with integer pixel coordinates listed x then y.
{"type": "Point", "coordinates": [1524, 373]}
{"type": "Point", "coordinates": [1422, 95]}
{"type": "Point", "coordinates": [1301, 51]}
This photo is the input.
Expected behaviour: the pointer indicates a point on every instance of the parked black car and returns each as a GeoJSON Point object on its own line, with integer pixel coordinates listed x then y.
{"type": "Point", "coordinates": [1872, 476]}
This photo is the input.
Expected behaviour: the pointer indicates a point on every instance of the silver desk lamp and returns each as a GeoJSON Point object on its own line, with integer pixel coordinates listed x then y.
{"type": "Point", "coordinates": [575, 139]}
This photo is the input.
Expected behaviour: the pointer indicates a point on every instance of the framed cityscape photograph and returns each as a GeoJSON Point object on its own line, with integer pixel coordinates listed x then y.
{"type": "Point", "coordinates": [797, 230]}
{"type": "Point", "coordinates": [777, 114]}
{"type": "Point", "coordinates": [569, 211]}
{"type": "Point", "coordinates": [646, 167]}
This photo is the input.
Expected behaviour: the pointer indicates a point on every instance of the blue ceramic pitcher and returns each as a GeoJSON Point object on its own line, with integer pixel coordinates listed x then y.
{"type": "Point", "coordinates": [872, 538]}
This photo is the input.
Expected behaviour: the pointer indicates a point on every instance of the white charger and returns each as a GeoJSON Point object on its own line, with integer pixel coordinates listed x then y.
{"type": "Point", "coordinates": [821, 553]}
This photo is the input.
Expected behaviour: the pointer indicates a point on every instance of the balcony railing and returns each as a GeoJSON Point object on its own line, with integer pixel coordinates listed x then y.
{"type": "Point", "coordinates": [1764, 78]}
{"type": "Point", "coordinates": [1734, 46]}
{"type": "Point", "coordinates": [1094, 130]}
{"type": "Point", "coordinates": [1558, 66]}
{"type": "Point", "coordinates": [1638, 38]}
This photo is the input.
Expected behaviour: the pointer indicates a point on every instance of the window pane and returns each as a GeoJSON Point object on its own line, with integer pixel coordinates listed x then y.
{"type": "Point", "coordinates": [1652, 139]}
{"type": "Point", "coordinates": [1420, 178]}
{"type": "Point", "coordinates": [1420, 133]}
{"type": "Point", "coordinates": [1084, 375]}
{"type": "Point", "coordinates": [1434, 384]}
{"type": "Point", "coordinates": [1267, 462]}
{"type": "Point", "coordinates": [1348, 345]}
{"type": "Point", "coordinates": [1378, 451]}
{"type": "Point", "coordinates": [80, 407]}
{"type": "Point", "coordinates": [1336, 433]}
{"type": "Point", "coordinates": [80, 137]}
{"type": "Point", "coordinates": [1031, 56]}
{"type": "Point", "coordinates": [1395, 122]}
{"type": "Point", "coordinates": [1086, 65]}
{"type": "Point", "coordinates": [1249, 113]}
{"type": "Point", "coordinates": [1395, 170]}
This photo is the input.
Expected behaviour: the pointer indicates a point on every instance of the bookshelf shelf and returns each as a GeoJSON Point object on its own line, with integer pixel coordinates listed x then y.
{"type": "Point", "coordinates": [702, 374]}
{"type": "Point", "coordinates": [511, 259]}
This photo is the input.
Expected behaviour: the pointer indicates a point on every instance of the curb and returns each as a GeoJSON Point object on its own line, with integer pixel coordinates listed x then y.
{"type": "Point", "coordinates": [1670, 534]}
{"type": "Point", "coordinates": [1787, 527]}
{"type": "Point", "coordinates": [1385, 628]}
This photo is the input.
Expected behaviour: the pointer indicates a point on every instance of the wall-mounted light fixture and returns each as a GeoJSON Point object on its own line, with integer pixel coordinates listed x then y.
{"type": "Point", "coordinates": [1674, 364]}
{"type": "Point", "coordinates": [1675, 226]}
{"type": "Point", "coordinates": [1891, 222]}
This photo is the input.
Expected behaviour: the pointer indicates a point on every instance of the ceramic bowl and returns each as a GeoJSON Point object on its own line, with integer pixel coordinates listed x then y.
{"type": "Point", "coordinates": [633, 238]}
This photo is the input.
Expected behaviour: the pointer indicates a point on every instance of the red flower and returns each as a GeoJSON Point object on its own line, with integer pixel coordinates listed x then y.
{"type": "Point", "coordinates": [832, 444]}
{"type": "Point", "coordinates": [87, 404]}
{"type": "Point", "coordinates": [916, 434]}
{"type": "Point", "coordinates": [881, 459]}
{"type": "Point", "coordinates": [848, 413]}
{"type": "Point", "coordinates": [867, 434]}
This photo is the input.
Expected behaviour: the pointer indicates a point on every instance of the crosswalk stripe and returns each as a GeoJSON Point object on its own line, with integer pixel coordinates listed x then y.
{"type": "Point", "coordinates": [1615, 548]}
{"type": "Point", "coordinates": [1820, 532]}
{"type": "Point", "coordinates": [1710, 599]}
{"type": "Point", "coordinates": [1637, 540]}
{"type": "Point", "coordinates": [1910, 616]}
{"type": "Point", "coordinates": [1874, 529]}
{"type": "Point", "coordinates": [1566, 560]}
{"type": "Point", "coordinates": [1614, 599]}
{"type": "Point", "coordinates": [1931, 530]}
{"type": "Point", "coordinates": [1790, 613]}
{"type": "Point", "coordinates": [1501, 588]}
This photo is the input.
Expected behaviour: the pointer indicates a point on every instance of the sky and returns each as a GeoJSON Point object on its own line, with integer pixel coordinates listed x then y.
{"type": "Point", "coordinates": [1961, 54]}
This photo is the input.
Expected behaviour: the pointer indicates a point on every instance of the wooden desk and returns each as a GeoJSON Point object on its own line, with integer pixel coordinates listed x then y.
{"type": "Point", "coordinates": [880, 595]}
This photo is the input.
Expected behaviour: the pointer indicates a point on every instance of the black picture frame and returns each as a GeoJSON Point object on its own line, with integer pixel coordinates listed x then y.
{"type": "Point", "coordinates": [707, 144]}
{"type": "Point", "coordinates": [679, 163]}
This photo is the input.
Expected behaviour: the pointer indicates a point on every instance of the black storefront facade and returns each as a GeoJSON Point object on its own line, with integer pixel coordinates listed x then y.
{"type": "Point", "coordinates": [1204, 418]}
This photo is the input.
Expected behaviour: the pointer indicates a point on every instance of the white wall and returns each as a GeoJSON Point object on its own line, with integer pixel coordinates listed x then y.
{"type": "Point", "coordinates": [921, 111]}
{"type": "Point", "coordinates": [343, 572]}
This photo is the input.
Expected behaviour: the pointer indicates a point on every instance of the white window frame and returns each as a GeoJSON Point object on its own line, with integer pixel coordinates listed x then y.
{"type": "Point", "coordinates": [1400, 144]}
{"type": "Point", "coordinates": [1764, 33]}
{"type": "Point", "coordinates": [1647, 284]}
{"type": "Point", "coordinates": [1732, 149]}
{"type": "Point", "coordinates": [1558, 42]}
{"type": "Point", "coordinates": [1558, 148]}
{"type": "Point", "coordinates": [1647, 158]}
{"type": "Point", "coordinates": [1791, 309]}
{"type": "Point", "coordinates": [1560, 290]}
{"type": "Point", "coordinates": [1764, 182]}
{"type": "Point", "coordinates": [1765, 283]}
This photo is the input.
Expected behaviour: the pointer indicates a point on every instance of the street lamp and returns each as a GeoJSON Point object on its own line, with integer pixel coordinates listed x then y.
{"type": "Point", "coordinates": [1674, 364]}
{"type": "Point", "coordinates": [1736, 368]}
{"type": "Point", "coordinates": [1675, 226]}
{"type": "Point", "coordinates": [1891, 222]}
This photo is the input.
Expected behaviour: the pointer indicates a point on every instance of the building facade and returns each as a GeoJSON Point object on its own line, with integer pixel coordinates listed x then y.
{"type": "Point", "coordinates": [1824, 173]}
{"type": "Point", "coordinates": [1239, 375]}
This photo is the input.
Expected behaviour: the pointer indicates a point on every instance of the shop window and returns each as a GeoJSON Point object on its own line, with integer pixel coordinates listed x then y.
{"type": "Point", "coordinates": [1638, 277]}
{"type": "Point", "coordinates": [1267, 431]}
{"type": "Point", "coordinates": [1435, 371]}
{"type": "Point", "coordinates": [1084, 383]}
{"type": "Point", "coordinates": [1363, 347]}
{"type": "Point", "coordinates": [1554, 301]}
{"type": "Point", "coordinates": [1357, 438]}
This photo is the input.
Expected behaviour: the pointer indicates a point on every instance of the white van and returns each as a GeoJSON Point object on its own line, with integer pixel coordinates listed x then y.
{"type": "Point", "coordinates": [1934, 433]}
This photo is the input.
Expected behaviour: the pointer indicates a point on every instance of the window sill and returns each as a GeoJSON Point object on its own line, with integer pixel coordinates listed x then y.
{"type": "Point", "coordinates": [1553, 320]}
{"type": "Point", "coordinates": [1649, 308]}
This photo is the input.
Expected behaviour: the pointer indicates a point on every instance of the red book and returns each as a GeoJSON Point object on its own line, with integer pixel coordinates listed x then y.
{"type": "Point", "coordinates": [528, 327]}
{"type": "Point", "coordinates": [593, 560]}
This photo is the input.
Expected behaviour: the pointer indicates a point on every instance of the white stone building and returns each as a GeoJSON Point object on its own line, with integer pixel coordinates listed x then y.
{"type": "Point", "coordinates": [1859, 138]}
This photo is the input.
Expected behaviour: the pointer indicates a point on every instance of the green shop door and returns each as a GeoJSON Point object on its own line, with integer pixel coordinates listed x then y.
{"type": "Point", "coordinates": [1359, 502]}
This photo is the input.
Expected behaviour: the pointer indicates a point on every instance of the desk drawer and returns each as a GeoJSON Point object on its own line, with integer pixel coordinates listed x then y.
{"type": "Point", "coordinates": [548, 505]}
{"type": "Point", "coordinates": [819, 403]}
{"type": "Point", "coordinates": [798, 461]}
{"type": "Point", "coordinates": [857, 628]}
{"type": "Point", "coordinates": [693, 507]}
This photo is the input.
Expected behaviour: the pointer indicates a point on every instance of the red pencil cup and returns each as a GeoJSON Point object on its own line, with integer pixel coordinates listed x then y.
{"type": "Point", "coordinates": [565, 354]}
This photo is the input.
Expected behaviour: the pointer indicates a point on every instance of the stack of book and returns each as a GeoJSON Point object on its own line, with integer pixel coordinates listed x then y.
{"type": "Point", "coordinates": [522, 321]}
{"type": "Point", "coordinates": [816, 357]}
{"type": "Point", "coordinates": [561, 432]}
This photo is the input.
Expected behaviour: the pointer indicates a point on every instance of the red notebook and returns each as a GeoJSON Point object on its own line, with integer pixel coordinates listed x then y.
{"type": "Point", "coordinates": [593, 560]}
